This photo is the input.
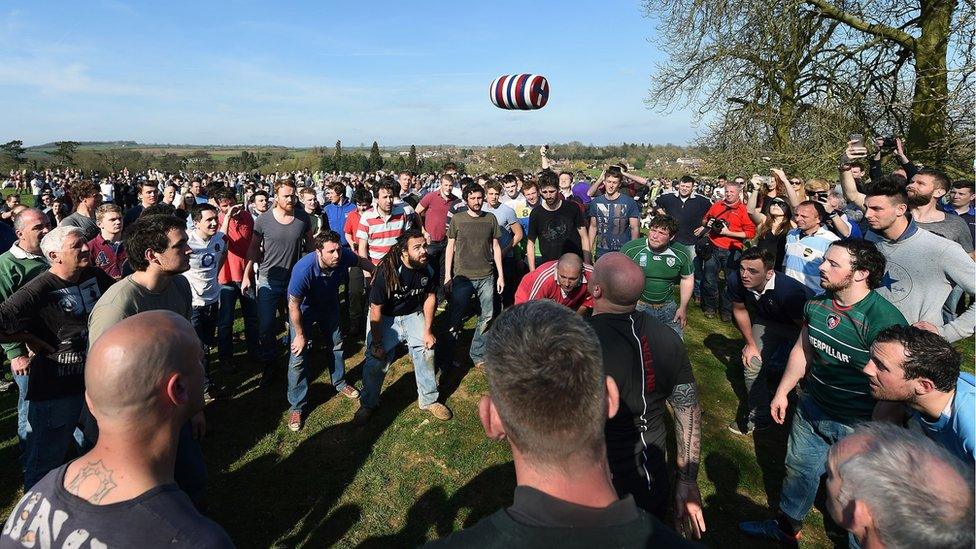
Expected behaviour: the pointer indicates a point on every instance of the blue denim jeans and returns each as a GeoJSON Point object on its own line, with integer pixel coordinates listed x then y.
{"type": "Point", "coordinates": [204, 320]}
{"type": "Point", "coordinates": [721, 260]}
{"type": "Point", "coordinates": [665, 314]}
{"type": "Point", "coordinates": [51, 427]}
{"type": "Point", "coordinates": [395, 330]}
{"type": "Point", "coordinates": [22, 426]}
{"type": "Point", "coordinates": [462, 289]}
{"type": "Point", "coordinates": [949, 308]}
{"type": "Point", "coordinates": [271, 294]}
{"type": "Point", "coordinates": [298, 378]}
{"type": "Point", "coordinates": [775, 341]}
{"type": "Point", "coordinates": [812, 435]}
{"type": "Point", "coordinates": [229, 295]}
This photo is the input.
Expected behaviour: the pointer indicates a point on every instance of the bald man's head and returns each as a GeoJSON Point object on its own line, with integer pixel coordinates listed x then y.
{"type": "Point", "coordinates": [131, 368]}
{"type": "Point", "coordinates": [570, 261]}
{"type": "Point", "coordinates": [620, 280]}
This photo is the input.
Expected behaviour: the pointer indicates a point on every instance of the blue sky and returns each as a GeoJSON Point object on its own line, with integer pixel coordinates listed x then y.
{"type": "Point", "coordinates": [307, 73]}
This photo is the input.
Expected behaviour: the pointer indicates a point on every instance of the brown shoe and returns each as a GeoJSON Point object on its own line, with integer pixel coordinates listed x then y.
{"type": "Point", "coordinates": [439, 411]}
{"type": "Point", "coordinates": [349, 392]}
{"type": "Point", "coordinates": [295, 421]}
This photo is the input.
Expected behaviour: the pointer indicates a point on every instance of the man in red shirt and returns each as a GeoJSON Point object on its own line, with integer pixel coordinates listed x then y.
{"type": "Point", "coordinates": [433, 209]}
{"type": "Point", "coordinates": [235, 283]}
{"type": "Point", "coordinates": [356, 286]}
{"type": "Point", "coordinates": [728, 226]}
{"type": "Point", "coordinates": [107, 249]}
{"type": "Point", "coordinates": [564, 281]}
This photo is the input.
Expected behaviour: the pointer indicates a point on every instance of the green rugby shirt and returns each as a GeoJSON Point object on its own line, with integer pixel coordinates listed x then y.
{"type": "Point", "coordinates": [661, 270]}
{"type": "Point", "coordinates": [840, 339]}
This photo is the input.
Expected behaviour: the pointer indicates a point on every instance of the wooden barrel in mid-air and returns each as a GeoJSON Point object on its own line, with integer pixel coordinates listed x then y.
{"type": "Point", "coordinates": [519, 91]}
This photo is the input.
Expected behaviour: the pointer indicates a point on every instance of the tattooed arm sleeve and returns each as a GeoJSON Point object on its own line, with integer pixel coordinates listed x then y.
{"type": "Point", "coordinates": [687, 426]}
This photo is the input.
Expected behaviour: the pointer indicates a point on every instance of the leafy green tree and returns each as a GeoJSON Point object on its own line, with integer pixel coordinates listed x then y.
{"type": "Point", "coordinates": [375, 160]}
{"type": "Point", "coordinates": [13, 152]}
{"type": "Point", "coordinates": [64, 155]}
{"type": "Point", "coordinates": [412, 158]}
{"type": "Point", "coordinates": [337, 156]}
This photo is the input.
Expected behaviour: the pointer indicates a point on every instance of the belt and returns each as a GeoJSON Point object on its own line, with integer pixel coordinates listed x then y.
{"type": "Point", "coordinates": [656, 305]}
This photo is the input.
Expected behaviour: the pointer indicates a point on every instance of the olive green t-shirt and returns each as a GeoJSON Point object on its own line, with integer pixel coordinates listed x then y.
{"type": "Point", "coordinates": [473, 238]}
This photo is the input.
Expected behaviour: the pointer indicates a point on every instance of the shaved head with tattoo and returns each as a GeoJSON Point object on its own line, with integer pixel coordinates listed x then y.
{"type": "Point", "coordinates": [142, 390]}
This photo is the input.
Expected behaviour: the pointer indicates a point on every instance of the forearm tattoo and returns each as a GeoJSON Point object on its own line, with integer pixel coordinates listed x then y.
{"type": "Point", "coordinates": [101, 473]}
{"type": "Point", "coordinates": [687, 426]}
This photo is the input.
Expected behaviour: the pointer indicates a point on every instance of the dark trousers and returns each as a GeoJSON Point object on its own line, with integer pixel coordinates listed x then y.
{"type": "Point", "coordinates": [721, 260]}
{"type": "Point", "coordinates": [435, 258]}
{"type": "Point", "coordinates": [204, 320]}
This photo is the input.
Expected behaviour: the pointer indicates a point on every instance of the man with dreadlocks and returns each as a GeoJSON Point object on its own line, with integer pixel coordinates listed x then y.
{"type": "Point", "coordinates": [401, 309]}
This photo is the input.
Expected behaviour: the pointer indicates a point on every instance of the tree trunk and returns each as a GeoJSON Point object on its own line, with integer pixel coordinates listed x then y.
{"type": "Point", "coordinates": [927, 140]}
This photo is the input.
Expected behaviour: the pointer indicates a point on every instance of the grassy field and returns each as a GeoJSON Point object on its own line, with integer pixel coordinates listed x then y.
{"type": "Point", "coordinates": [406, 478]}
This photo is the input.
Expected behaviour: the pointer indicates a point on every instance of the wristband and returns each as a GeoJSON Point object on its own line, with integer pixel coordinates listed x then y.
{"type": "Point", "coordinates": [833, 213]}
{"type": "Point", "coordinates": [844, 167]}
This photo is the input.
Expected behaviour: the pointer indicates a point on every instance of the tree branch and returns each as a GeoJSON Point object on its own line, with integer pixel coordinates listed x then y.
{"type": "Point", "coordinates": [875, 29]}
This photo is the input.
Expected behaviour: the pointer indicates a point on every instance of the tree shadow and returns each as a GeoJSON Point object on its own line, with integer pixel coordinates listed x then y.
{"type": "Point", "coordinates": [489, 491]}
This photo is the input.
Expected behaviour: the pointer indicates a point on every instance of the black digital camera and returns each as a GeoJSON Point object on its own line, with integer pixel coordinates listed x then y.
{"type": "Point", "coordinates": [716, 225]}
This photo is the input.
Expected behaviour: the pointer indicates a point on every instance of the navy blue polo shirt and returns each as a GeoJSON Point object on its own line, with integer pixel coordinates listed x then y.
{"type": "Point", "coordinates": [688, 213]}
{"type": "Point", "coordinates": [318, 289]}
{"type": "Point", "coordinates": [782, 303]}
{"type": "Point", "coordinates": [336, 214]}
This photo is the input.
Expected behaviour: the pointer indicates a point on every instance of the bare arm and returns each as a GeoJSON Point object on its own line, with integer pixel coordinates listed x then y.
{"type": "Point", "coordinates": [847, 178]}
{"type": "Point", "coordinates": [448, 259]}
{"type": "Point", "coordinates": [517, 235]}
{"type": "Point", "coordinates": [585, 240]}
{"type": "Point", "coordinates": [687, 431]}
{"type": "Point", "coordinates": [295, 322]}
{"type": "Point", "coordinates": [530, 254]}
{"type": "Point", "coordinates": [796, 369]}
{"type": "Point", "coordinates": [595, 187]}
{"type": "Point", "coordinates": [591, 234]}
{"type": "Point", "coordinates": [634, 229]}
{"type": "Point", "coordinates": [756, 216]}
{"type": "Point", "coordinates": [790, 191]}
{"type": "Point", "coordinates": [497, 252]}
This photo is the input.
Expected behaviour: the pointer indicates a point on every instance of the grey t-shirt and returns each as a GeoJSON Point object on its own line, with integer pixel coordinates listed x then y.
{"type": "Point", "coordinates": [50, 516]}
{"type": "Point", "coordinates": [953, 228]}
{"type": "Point", "coordinates": [282, 244]}
{"type": "Point", "coordinates": [126, 298]}
{"type": "Point", "coordinates": [83, 222]}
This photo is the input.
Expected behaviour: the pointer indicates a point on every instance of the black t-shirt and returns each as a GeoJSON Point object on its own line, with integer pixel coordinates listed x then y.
{"type": "Point", "coordinates": [646, 368]}
{"type": "Point", "coordinates": [161, 517]}
{"type": "Point", "coordinates": [557, 230]}
{"type": "Point", "coordinates": [56, 311]}
{"type": "Point", "coordinates": [537, 519]}
{"type": "Point", "coordinates": [775, 245]}
{"type": "Point", "coordinates": [783, 303]}
{"type": "Point", "coordinates": [415, 284]}
{"type": "Point", "coordinates": [688, 213]}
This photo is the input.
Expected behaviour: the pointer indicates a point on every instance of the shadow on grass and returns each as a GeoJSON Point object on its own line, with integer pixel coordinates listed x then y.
{"type": "Point", "coordinates": [486, 493]}
{"type": "Point", "coordinates": [263, 502]}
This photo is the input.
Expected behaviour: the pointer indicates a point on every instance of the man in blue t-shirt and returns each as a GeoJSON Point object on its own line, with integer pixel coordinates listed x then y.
{"type": "Point", "coordinates": [919, 370]}
{"type": "Point", "coordinates": [768, 310]}
{"type": "Point", "coordinates": [614, 217]}
{"type": "Point", "coordinates": [313, 300]}
{"type": "Point", "coordinates": [338, 209]}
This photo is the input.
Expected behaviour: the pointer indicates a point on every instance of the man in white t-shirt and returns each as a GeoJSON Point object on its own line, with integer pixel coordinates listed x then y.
{"type": "Point", "coordinates": [208, 250]}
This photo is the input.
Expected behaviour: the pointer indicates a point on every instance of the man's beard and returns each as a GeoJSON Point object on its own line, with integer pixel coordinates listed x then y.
{"type": "Point", "coordinates": [916, 200]}
{"type": "Point", "coordinates": [418, 263]}
{"type": "Point", "coordinates": [831, 287]}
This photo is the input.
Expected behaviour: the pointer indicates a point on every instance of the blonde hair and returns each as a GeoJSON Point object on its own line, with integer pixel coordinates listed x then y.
{"type": "Point", "coordinates": [104, 209]}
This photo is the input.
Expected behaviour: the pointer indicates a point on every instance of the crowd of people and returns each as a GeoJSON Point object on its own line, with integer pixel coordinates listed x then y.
{"type": "Point", "coordinates": [848, 298]}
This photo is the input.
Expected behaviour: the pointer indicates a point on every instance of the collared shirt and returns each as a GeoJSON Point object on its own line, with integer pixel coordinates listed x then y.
{"type": "Point", "coordinates": [381, 232]}
{"type": "Point", "coordinates": [781, 300]}
{"type": "Point", "coordinates": [543, 283]}
{"type": "Point", "coordinates": [337, 214]}
{"type": "Point", "coordinates": [805, 253]}
{"type": "Point", "coordinates": [318, 289]}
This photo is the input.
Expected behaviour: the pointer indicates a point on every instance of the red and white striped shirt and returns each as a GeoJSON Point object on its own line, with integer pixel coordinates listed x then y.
{"type": "Point", "coordinates": [542, 284]}
{"type": "Point", "coordinates": [381, 232]}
